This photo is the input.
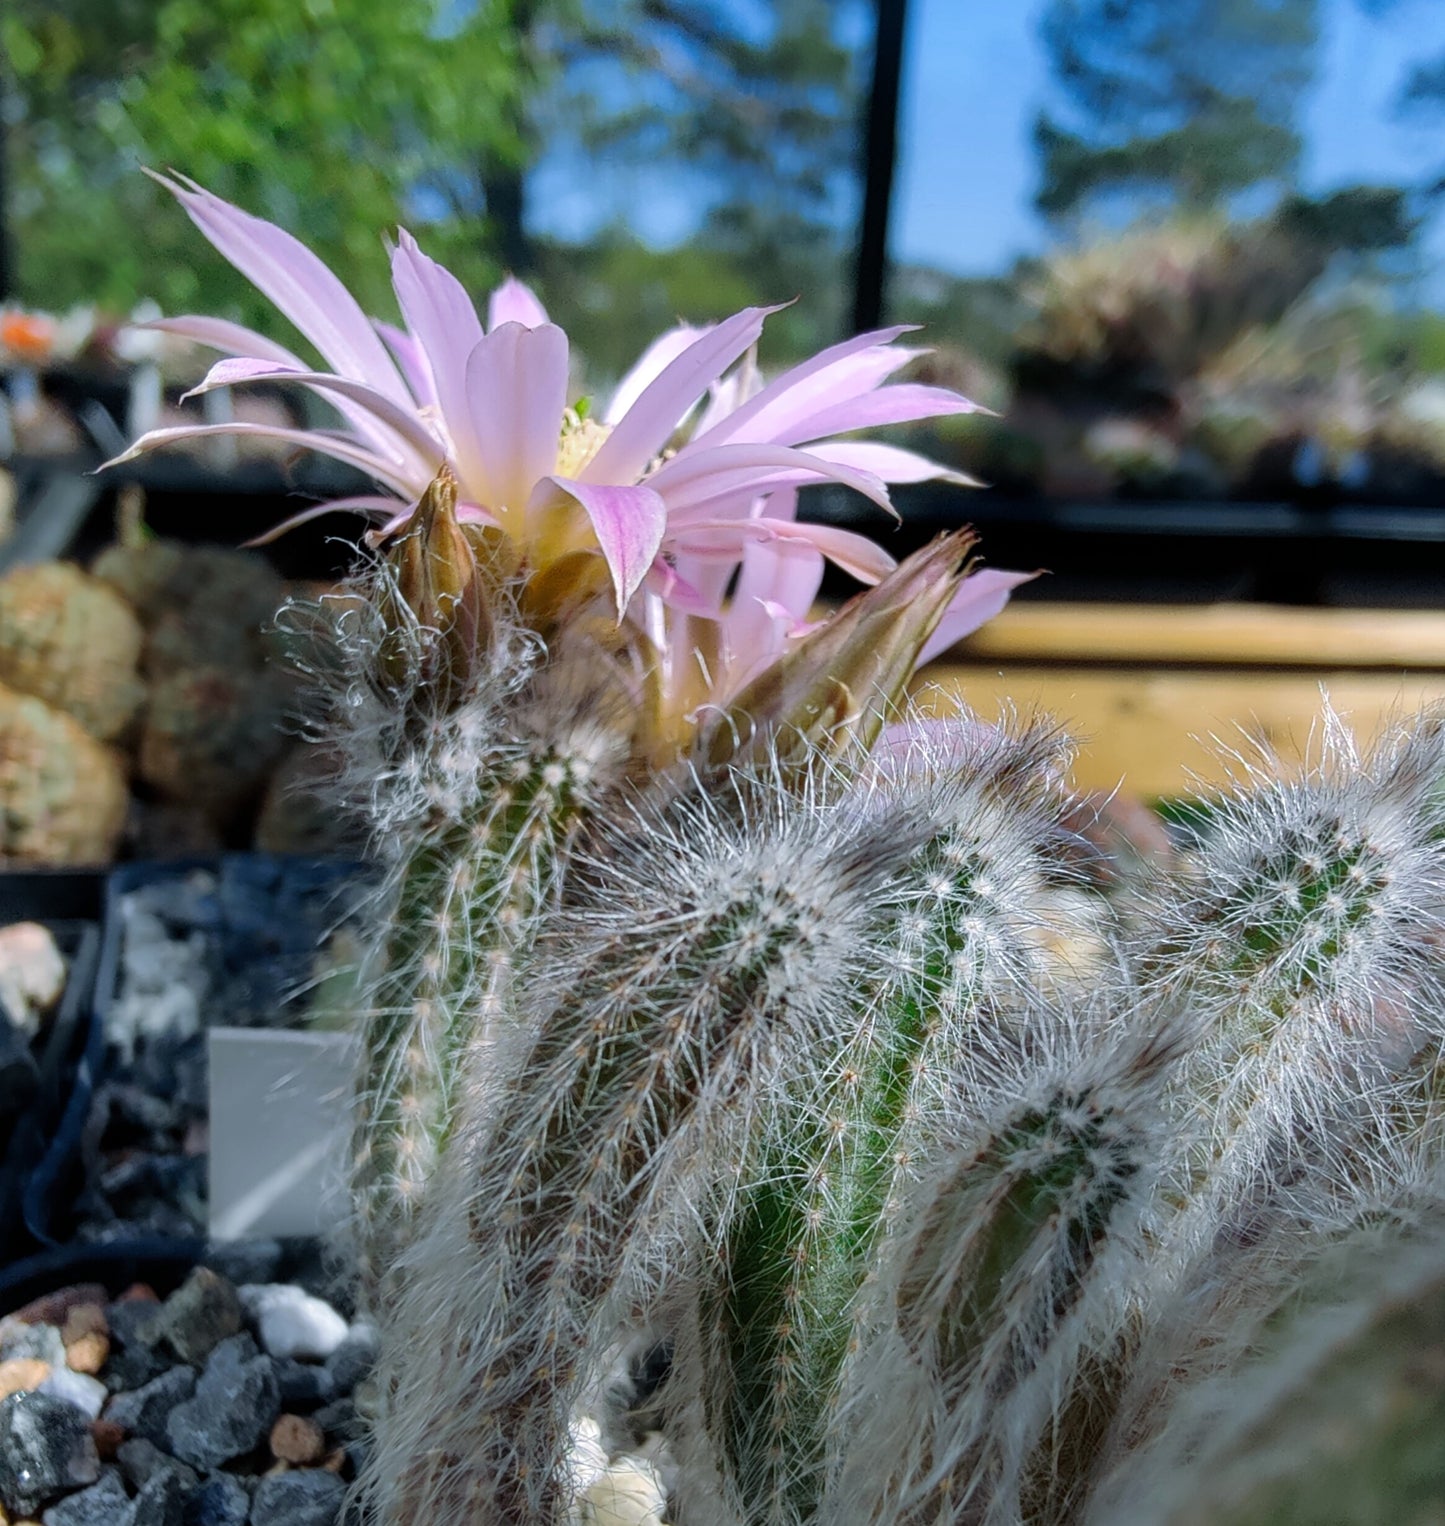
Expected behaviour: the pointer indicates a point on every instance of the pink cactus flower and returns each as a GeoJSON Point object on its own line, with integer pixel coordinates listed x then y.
{"type": "Point", "coordinates": [491, 400]}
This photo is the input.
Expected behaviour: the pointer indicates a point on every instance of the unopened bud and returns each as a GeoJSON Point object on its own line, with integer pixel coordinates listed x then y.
{"type": "Point", "coordinates": [439, 582]}
{"type": "Point", "coordinates": [833, 690]}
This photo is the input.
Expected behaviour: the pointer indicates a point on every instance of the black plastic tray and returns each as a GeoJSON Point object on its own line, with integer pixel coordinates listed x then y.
{"type": "Point", "coordinates": [52, 1186]}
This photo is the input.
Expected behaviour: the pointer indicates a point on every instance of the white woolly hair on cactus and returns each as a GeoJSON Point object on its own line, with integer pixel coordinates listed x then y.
{"type": "Point", "coordinates": [370, 705]}
{"type": "Point", "coordinates": [471, 793]}
{"type": "Point", "coordinates": [1303, 938]}
{"type": "Point", "coordinates": [967, 1394]}
{"type": "Point", "coordinates": [709, 940]}
{"type": "Point", "coordinates": [1325, 1402]}
{"type": "Point", "coordinates": [763, 1328]}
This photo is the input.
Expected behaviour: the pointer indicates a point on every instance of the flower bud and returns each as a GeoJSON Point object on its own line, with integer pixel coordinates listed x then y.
{"type": "Point", "coordinates": [439, 595]}
{"type": "Point", "coordinates": [833, 690]}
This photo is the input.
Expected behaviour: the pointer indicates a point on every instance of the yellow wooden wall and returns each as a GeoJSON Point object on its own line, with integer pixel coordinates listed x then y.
{"type": "Point", "coordinates": [1145, 686]}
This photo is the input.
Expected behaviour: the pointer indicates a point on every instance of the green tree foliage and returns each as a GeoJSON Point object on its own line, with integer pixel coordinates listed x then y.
{"type": "Point", "coordinates": [339, 119]}
{"type": "Point", "coordinates": [1183, 101]}
{"type": "Point", "coordinates": [335, 118]}
{"type": "Point", "coordinates": [747, 114]}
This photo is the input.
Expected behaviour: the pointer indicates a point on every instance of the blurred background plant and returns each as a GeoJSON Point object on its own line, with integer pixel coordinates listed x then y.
{"type": "Point", "coordinates": [1173, 196]}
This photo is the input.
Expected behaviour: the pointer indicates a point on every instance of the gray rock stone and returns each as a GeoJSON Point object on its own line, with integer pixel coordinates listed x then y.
{"type": "Point", "coordinates": [146, 1411]}
{"type": "Point", "coordinates": [134, 1322]}
{"type": "Point", "coordinates": [220, 1501]}
{"type": "Point", "coordinates": [352, 1359]}
{"type": "Point", "coordinates": [338, 1420]}
{"type": "Point", "coordinates": [162, 1501]}
{"type": "Point", "coordinates": [40, 1343]}
{"type": "Point", "coordinates": [106, 1504]}
{"type": "Point", "coordinates": [141, 1460]}
{"type": "Point", "coordinates": [307, 1497]}
{"type": "Point", "coordinates": [199, 1315]}
{"type": "Point", "coordinates": [128, 1369]}
{"type": "Point", "coordinates": [235, 1403]}
{"type": "Point", "coordinates": [304, 1385]}
{"type": "Point", "coordinates": [87, 1394]}
{"type": "Point", "coordinates": [45, 1449]}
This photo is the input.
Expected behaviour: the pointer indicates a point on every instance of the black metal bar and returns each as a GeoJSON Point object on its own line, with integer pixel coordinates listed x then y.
{"type": "Point", "coordinates": [879, 150]}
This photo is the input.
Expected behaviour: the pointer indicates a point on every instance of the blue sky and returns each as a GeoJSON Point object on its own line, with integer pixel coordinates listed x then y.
{"type": "Point", "coordinates": [975, 76]}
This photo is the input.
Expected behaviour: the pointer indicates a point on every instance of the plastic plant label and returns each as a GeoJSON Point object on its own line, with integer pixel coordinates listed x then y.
{"type": "Point", "coordinates": [279, 1127]}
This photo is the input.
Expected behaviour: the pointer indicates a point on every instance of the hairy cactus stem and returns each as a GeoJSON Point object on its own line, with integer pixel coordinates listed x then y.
{"type": "Point", "coordinates": [1303, 949]}
{"type": "Point", "coordinates": [993, 1281]}
{"type": "Point", "coordinates": [852, 1133]}
{"type": "Point", "coordinates": [717, 939]}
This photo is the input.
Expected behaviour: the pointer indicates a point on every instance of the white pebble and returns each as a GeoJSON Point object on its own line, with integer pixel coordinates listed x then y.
{"type": "Point", "coordinates": [87, 1394]}
{"type": "Point", "coordinates": [290, 1322]}
{"type": "Point", "coordinates": [32, 974]}
{"type": "Point", "coordinates": [628, 1494]}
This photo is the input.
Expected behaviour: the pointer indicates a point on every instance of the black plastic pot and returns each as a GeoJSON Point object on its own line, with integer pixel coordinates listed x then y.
{"type": "Point", "coordinates": [68, 903]}
{"type": "Point", "coordinates": [249, 946]}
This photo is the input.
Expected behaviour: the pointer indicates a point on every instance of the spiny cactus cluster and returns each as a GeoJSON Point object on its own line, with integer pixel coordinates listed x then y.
{"type": "Point", "coordinates": [786, 1131]}
{"type": "Point", "coordinates": [760, 1121]}
{"type": "Point", "coordinates": [800, 1104]}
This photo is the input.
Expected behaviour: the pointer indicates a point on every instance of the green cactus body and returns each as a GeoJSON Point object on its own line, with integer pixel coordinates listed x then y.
{"type": "Point", "coordinates": [782, 1322]}
{"type": "Point", "coordinates": [468, 896]}
{"type": "Point", "coordinates": [1301, 953]}
{"type": "Point", "coordinates": [1335, 1414]}
{"type": "Point", "coordinates": [999, 1262]}
{"type": "Point", "coordinates": [805, 1232]}
{"type": "Point", "coordinates": [711, 950]}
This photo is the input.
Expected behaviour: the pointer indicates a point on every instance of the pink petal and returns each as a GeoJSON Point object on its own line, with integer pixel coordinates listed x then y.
{"type": "Point", "coordinates": [367, 504]}
{"type": "Point", "coordinates": [415, 447]}
{"type": "Point", "coordinates": [512, 302]}
{"type": "Point", "coordinates": [410, 358]}
{"type": "Point", "coordinates": [440, 317]}
{"type": "Point", "coordinates": [678, 592]}
{"type": "Point", "coordinates": [648, 366]}
{"type": "Point", "coordinates": [516, 392]}
{"type": "Point", "coordinates": [833, 375]}
{"type": "Point", "coordinates": [628, 523]}
{"type": "Point", "coordinates": [286, 271]}
{"type": "Point", "coordinates": [241, 341]}
{"type": "Point", "coordinates": [693, 478]}
{"type": "Point", "coordinates": [855, 554]}
{"type": "Point", "coordinates": [708, 575]}
{"type": "Point", "coordinates": [900, 403]}
{"type": "Point", "coordinates": [647, 425]}
{"type": "Point", "coordinates": [741, 384]}
{"type": "Point", "coordinates": [888, 462]}
{"type": "Point", "coordinates": [325, 441]}
{"type": "Point", "coordinates": [982, 596]}
{"type": "Point", "coordinates": [219, 334]}
{"type": "Point", "coordinates": [785, 574]}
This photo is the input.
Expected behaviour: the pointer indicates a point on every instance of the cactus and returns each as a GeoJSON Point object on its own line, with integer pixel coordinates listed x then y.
{"type": "Point", "coordinates": [211, 736]}
{"type": "Point", "coordinates": [1332, 1413]}
{"type": "Point", "coordinates": [62, 794]}
{"type": "Point", "coordinates": [719, 1034]}
{"type": "Point", "coordinates": [720, 936]}
{"type": "Point", "coordinates": [201, 606]}
{"type": "Point", "coordinates": [67, 639]}
{"type": "Point", "coordinates": [972, 940]}
{"type": "Point", "coordinates": [1304, 940]}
